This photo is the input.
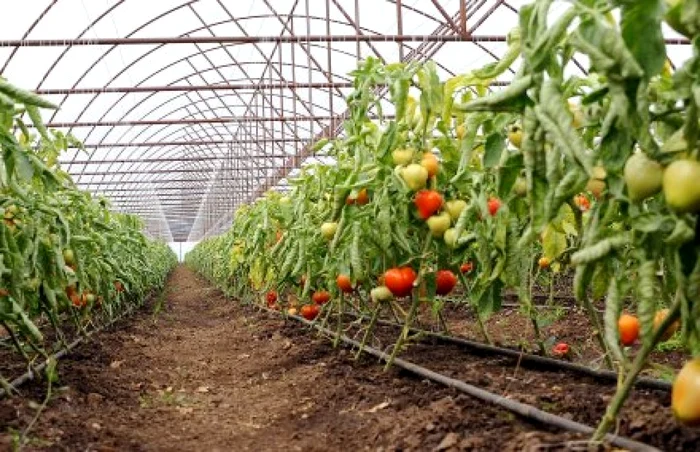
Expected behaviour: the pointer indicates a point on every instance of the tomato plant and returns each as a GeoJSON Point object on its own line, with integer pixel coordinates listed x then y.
{"type": "Point", "coordinates": [595, 173]}
{"type": "Point", "coordinates": [65, 257]}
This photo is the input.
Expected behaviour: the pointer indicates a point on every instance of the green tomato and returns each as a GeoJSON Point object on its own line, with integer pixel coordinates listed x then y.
{"type": "Point", "coordinates": [643, 177]}
{"type": "Point", "coordinates": [681, 187]}
{"type": "Point", "coordinates": [450, 238]}
{"type": "Point", "coordinates": [415, 176]}
{"type": "Point", "coordinates": [402, 156]}
{"type": "Point", "coordinates": [381, 293]}
{"type": "Point", "coordinates": [69, 256]}
{"type": "Point", "coordinates": [438, 224]}
{"type": "Point", "coordinates": [520, 186]}
{"type": "Point", "coordinates": [328, 230]}
{"type": "Point", "coordinates": [455, 208]}
{"type": "Point", "coordinates": [285, 200]}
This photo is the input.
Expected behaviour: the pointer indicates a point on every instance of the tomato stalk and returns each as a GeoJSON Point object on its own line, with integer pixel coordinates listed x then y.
{"type": "Point", "coordinates": [531, 311]}
{"type": "Point", "coordinates": [623, 390]}
{"type": "Point", "coordinates": [414, 305]}
{"type": "Point", "coordinates": [368, 331]}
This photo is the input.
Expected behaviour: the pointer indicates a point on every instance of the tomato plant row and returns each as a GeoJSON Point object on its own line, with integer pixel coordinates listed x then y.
{"type": "Point", "coordinates": [64, 256]}
{"type": "Point", "coordinates": [556, 173]}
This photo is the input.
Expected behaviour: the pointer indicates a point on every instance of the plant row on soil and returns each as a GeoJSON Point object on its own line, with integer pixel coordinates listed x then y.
{"type": "Point", "coordinates": [504, 191]}
{"type": "Point", "coordinates": [67, 263]}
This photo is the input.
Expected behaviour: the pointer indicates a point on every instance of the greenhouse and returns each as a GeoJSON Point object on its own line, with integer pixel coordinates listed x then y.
{"type": "Point", "coordinates": [330, 225]}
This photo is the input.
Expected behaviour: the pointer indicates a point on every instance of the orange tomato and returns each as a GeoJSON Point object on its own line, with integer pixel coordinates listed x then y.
{"type": "Point", "coordinates": [430, 163]}
{"type": "Point", "coordinates": [362, 197]}
{"type": "Point", "coordinates": [685, 397]}
{"type": "Point", "coordinates": [543, 262]}
{"type": "Point", "coordinates": [344, 283]}
{"type": "Point", "coordinates": [628, 326]}
{"type": "Point", "coordinates": [671, 330]}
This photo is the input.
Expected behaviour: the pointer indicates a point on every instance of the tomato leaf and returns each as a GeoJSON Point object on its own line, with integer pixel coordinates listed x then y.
{"type": "Point", "coordinates": [495, 143]}
{"type": "Point", "coordinates": [643, 18]}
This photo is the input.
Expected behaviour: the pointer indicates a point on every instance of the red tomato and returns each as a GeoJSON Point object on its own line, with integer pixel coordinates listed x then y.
{"type": "Point", "coordinates": [582, 202]}
{"type": "Point", "coordinates": [445, 281]}
{"type": "Point", "coordinates": [344, 283]}
{"type": "Point", "coordinates": [400, 280]}
{"type": "Point", "coordinates": [4, 292]}
{"type": "Point", "coordinates": [561, 349]}
{"type": "Point", "coordinates": [494, 204]}
{"type": "Point", "coordinates": [271, 297]}
{"type": "Point", "coordinates": [428, 203]}
{"type": "Point", "coordinates": [466, 267]}
{"type": "Point", "coordinates": [310, 311]}
{"type": "Point", "coordinates": [349, 201]}
{"type": "Point", "coordinates": [321, 297]}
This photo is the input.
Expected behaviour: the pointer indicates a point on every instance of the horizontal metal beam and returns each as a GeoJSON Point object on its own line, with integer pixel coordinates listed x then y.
{"type": "Point", "coordinates": [247, 40]}
{"type": "Point", "coordinates": [149, 144]}
{"type": "Point", "coordinates": [221, 120]}
{"type": "Point", "coordinates": [194, 159]}
{"type": "Point", "coordinates": [208, 171]}
{"type": "Point", "coordinates": [192, 88]}
{"type": "Point", "coordinates": [157, 181]}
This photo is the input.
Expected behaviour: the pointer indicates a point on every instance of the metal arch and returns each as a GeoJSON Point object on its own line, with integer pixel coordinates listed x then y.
{"type": "Point", "coordinates": [145, 153]}
{"type": "Point", "coordinates": [160, 46]}
{"type": "Point", "coordinates": [282, 174]}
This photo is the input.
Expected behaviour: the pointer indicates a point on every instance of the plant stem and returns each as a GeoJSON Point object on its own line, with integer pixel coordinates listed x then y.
{"type": "Point", "coordinates": [368, 331]}
{"type": "Point", "coordinates": [608, 421]}
{"type": "Point", "coordinates": [595, 321]}
{"type": "Point", "coordinates": [406, 329]}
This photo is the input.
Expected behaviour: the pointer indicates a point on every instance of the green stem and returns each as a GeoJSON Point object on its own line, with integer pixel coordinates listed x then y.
{"type": "Point", "coordinates": [406, 329]}
{"type": "Point", "coordinates": [368, 331]}
{"type": "Point", "coordinates": [482, 327]}
{"type": "Point", "coordinates": [339, 327]}
{"type": "Point", "coordinates": [598, 327]}
{"type": "Point", "coordinates": [15, 341]}
{"type": "Point", "coordinates": [608, 421]}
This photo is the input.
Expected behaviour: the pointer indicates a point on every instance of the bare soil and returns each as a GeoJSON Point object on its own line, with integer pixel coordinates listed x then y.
{"type": "Point", "coordinates": [207, 374]}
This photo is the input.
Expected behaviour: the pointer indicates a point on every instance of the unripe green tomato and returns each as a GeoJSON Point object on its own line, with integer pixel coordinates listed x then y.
{"type": "Point", "coordinates": [328, 230]}
{"type": "Point", "coordinates": [68, 256]}
{"type": "Point", "coordinates": [438, 224]}
{"type": "Point", "coordinates": [455, 208]}
{"type": "Point", "coordinates": [450, 238]}
{"type": "Point", "coordinates": [643, 177]}
{"type": "Point", "coordinates": [681, 187]}
{"type": "Point", "coordinates": [402, 156]}
{"type": "Point", "coordinates": [415, 176]}
{"type": "Point", "coordinates": [520, 186]}
{"type": "Point", "coordinates": [380, 294]}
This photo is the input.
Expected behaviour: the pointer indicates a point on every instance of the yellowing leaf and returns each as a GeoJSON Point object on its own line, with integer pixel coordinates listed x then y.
{"type": "Point", "coordinates": [553, 242]}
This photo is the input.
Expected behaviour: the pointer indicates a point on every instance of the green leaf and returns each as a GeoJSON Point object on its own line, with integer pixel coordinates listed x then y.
{"type": "Point", "coordinates": [495, 143]}
{"type": "Point", "coordinates": [641, 31]}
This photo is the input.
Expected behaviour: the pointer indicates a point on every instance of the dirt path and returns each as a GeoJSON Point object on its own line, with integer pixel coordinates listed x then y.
{"type": "Point", "coordinates": [209, 375]}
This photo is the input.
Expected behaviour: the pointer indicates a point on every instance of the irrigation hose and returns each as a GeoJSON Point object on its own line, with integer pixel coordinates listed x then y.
{"type": "Point", "coordinates": [32, 373]}
{"type": "Point", "coordinates": [643, 382]}
{"type": "Point", "coordinates": [522, 409]}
